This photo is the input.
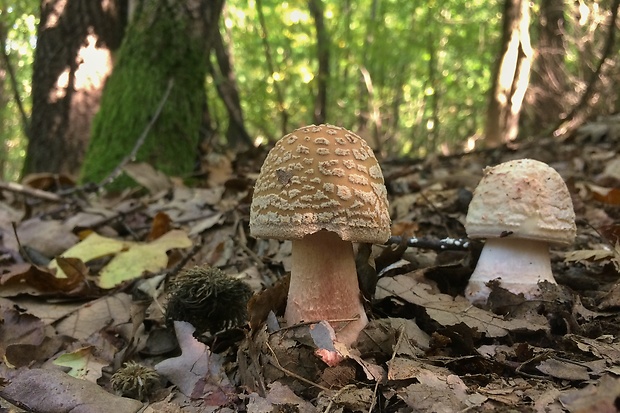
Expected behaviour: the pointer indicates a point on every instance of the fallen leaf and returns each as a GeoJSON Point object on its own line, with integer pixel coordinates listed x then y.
{"type": "Point", "coordinates": [599, 398]}
{"type": "Point", "coordinates": [108, 311]}
{"type": "Point", "coordinates": [52, 391]}
{"type": "Point", "coordinates": [563, 370]}
{"type": "Point", "coordinates": [84, 364]}
{"type": "Point", "coordinates": [147, 176]}
{"type": "Point", "coordinates": [132, 259]}
{"type": "Point", "coordinates": [446, 310]}
{"type": "Point", "coordinates": [197, 372]}
{"type": "Point", "coordinates": [141, 258]}
{"type": "Point", "coordinates": [16, 328]}
{"type": "Point", "coordinates": [40, 281]}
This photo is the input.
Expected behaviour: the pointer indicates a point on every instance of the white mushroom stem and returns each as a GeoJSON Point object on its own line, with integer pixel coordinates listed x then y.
{"type": "Point", "coordinates": [324, 285]}
{"type": "Point", "coordinates": [520, 264]}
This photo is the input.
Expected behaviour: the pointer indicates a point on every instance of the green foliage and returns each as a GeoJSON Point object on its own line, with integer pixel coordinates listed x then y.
{"type": "Point", "coordinates": [19, 22]}
{"type": "Point", "coordinates": [155, 51]}
{"type": "Point", "coordinates": [428, 70]}
{"type": "Point", "coordinates": [428, 63]}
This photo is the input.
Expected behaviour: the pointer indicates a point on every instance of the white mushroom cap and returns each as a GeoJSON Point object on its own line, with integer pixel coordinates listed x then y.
{"type": "Point", "coordinates": [321, 178]}
{"type": "Point", "coordinates": [525, 199]}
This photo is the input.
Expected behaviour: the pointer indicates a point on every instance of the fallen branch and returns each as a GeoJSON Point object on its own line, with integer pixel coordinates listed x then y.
{"type": "Point", "coordinates": [31, 192]}
{"type": "Point", "coordinates": [444, 244]}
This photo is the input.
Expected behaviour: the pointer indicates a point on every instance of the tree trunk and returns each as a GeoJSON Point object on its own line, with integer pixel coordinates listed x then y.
{"type": "Point", "coordinates": [548, 83]}
{"type": "Point", "coordinates": [284, 116]}
{"type": "Point", "coordinates": [236, 135]}
{"type": "Point", "coordinates": [511, 76]}
{"type": "Point", "coordinates": [322, 50]}
{"type": "Point", "coordinates": [161, 64]}
{"type": "Point", "coordinates": [71, 62]}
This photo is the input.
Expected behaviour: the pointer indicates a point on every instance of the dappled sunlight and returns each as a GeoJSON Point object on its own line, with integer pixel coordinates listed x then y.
{"type": "Point", "coordinates": [95, 64]}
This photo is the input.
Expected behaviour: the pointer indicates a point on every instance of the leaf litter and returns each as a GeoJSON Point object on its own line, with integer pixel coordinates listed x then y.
{"type": "Point", "coordinates": [84, 290]}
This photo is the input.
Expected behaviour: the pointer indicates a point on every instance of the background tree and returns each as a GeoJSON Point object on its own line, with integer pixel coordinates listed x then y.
{"type": "Point", "coordinates": [161, 63]}
{"type": "Point", "coordinates": [72, 59]}
{"type": "Point", "coordinates": [322, 53]}
{"type": "Point", "coordinates": [413, 78]}
{"type": "Point", "coordinates": [511, 75]}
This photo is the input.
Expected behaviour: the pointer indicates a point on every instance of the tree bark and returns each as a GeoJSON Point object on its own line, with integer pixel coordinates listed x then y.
{"type": "Point", "coordinates": [322, 50]}
{"type": "Point", "coordinates": [71, 62]}
{"type": "Point", "coordinates": [548, 82]}
{"type": "Point", "coordinates": [165, 45]}
{"type": "Point", "coordinates": [511, 75]}
{"type": "Point", "coordinates": [236, 134]}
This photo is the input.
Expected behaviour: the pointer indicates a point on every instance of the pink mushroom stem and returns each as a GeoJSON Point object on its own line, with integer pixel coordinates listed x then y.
{"type": "Point", "coordinates": [324, 285]}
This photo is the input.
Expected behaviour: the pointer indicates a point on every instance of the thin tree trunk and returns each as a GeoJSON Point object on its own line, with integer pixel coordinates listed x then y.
{"type": "Point", "coordinates": [272, 68]}
{"type": "Point", "coordinates": [511, 76]}
{"type": "Point", "coordinates": [548, 82]}
{"type": "Point", "coordinates": [71, 62]}
{"type": "Point", "coordinates": [579, 111]}
{"type": "Point", "coordinates": [322, 49]}
{"type": "Point", "coordinates": [236, 134]}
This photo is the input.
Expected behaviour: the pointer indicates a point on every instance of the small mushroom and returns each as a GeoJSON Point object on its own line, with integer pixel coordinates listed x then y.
{"type": "Point", "coordinates": [520, 207]}
{"type": "Point", "coordinates": [322, 187]}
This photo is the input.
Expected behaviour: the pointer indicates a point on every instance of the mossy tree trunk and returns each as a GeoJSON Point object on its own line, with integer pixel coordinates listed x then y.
{"type": "Point", "coordinates": [165, 44]}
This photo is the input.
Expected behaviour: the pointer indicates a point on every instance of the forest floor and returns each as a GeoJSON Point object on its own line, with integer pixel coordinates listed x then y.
{"type": "Point", "coordinates": [65, 339]}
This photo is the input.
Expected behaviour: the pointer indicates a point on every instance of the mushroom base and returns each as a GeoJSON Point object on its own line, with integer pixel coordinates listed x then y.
{"type": "Point", "coordinates": [324, 285]}
{"type": "Point", "coordinates": [519, 264]}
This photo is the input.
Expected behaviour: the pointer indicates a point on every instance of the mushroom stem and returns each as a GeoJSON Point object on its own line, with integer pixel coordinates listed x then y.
{"type": "Point", "coordinates": [520, 265]}
{"type": "Point", "coordinates": [324, 285]}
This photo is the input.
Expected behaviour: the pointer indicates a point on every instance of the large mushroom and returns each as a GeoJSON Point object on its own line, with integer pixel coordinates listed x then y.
{"type": "Point", "coordinates": [520, 207]}
{"type": "Point", "coordinates": [322, 187]}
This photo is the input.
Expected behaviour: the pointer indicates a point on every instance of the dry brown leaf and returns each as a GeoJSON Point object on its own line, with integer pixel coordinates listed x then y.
{"type": "Point", "coordinates": [52, 391]}
{"type": "Point", "coordinates": [39, 281]}
{"type": "Point", "coordinates": [147, 176]}
{"type": "Point", "coordinates": [448, 311]}
{"type": "Point", "coordinates": [109, 311]}
{"type": "Point", "coordinates": [563, 370]}
{"type": "Point", "coordinates": [600, 398]}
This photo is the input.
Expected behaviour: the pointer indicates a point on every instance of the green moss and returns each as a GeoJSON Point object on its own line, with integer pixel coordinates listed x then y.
{"type": "Point", "coordinates": [157, 48]}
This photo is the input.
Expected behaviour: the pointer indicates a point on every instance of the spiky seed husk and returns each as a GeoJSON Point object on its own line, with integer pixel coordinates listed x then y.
{"type": "Point", "coordinates": [209, 299]}
{"type": "Point", "coordinates": [134, 380]}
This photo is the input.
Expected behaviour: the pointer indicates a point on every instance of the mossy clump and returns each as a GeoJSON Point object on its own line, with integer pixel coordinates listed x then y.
{"type": "Point", "coordinates": [135, 380]}
{"type": "Point", "coordinates": [209, 299]}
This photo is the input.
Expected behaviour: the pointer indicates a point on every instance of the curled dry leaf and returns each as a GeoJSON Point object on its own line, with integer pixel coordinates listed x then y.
{"type": "Point", "coordinates": [447, 311]}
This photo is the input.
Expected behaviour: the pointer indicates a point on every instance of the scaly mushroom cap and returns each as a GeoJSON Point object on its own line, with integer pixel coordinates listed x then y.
{"type": "Point", "coordinates": [522, 199]}
{"type": "Point", "coordinates": [320, 178]}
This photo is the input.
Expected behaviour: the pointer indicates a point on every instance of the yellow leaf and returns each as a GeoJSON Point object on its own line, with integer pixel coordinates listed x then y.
{"type": "Point", "coordinates": [83, 363]}
{"type": "Point", "coordinates": [92, 247]}
{"type": "Point", "coordinates": [141, 258]}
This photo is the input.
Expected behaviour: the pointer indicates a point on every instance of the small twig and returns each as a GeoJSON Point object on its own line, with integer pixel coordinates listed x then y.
{"type": "Point", "coordinates": [132, 155]}
{"type": "Point", "coordinates": [32, 192]}
{"type": "Point", "coordinates": [373, 402]}
{"type": "Point", "coordinates": [19, 244]}
{"type": "Point", "coordinates": [331, 401]}
{"type": "Point", "coordinates": [292, 374]}
{"type": "Point", "coordinates": [307, 323]}
{"type": "Point", "coordinates": [444, 244]}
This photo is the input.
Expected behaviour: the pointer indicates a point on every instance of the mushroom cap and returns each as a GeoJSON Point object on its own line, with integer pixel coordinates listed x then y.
{"type": "Point", "coordinates": [320, 178]}
{"type": "Point", "coordinates": [525, 199]}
